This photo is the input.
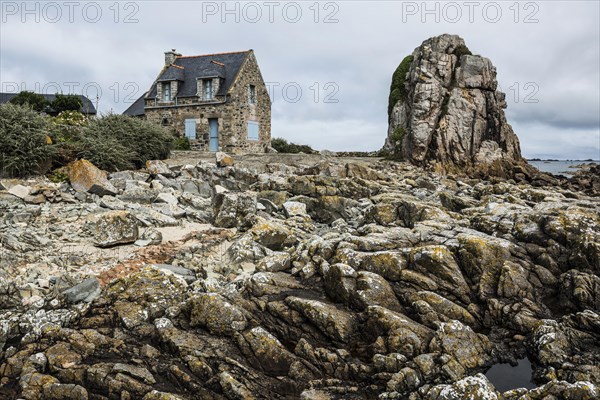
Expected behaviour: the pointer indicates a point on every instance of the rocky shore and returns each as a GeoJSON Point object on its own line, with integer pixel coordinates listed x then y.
{"type": "Point", "coordinates": [282, 277]}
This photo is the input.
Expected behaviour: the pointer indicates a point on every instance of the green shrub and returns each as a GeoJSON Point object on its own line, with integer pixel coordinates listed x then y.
{"type": "Point", "coordinates": [282, 146]}
{"type": "Point", "coordinates": [106, 152]}
{"type": "Point", "coordinates": [398, 134]}
{"type": "Point", "coordinates": [66, 131]}
{"type": "Point", "coordinates": [397, 89]}
{"type": "Point", "coordinates": [33, 100]}
{"type": "Point", "coordinates": [395, 152]}
{"type": "Point", "coordinates": [116, 142]}
{"type": "Point", "coordinates": [181, 143]}
{"type": "Point", "coordinates": [65, 102]}
{"type": "Point", "coordinates": [24, 144]}
{"type": "Point", "coordinates": [279, 144]}
{"type": "Point", "coordinates": [59, 175]}
{"type": "Point", "coordinates": [70, 118]}
{"type": "Point", "coordinates": [460, 51]}
{"type": "Point", "coordinates": [67, 126]}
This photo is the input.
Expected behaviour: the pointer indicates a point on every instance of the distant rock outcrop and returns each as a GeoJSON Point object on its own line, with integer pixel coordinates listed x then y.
{"type": "Point", "coordinates": [445, 110]}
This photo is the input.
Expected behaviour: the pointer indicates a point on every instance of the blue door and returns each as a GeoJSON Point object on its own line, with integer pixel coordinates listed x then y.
{"type": "Point", "coordinates": [190, 129]}
{"type": "Point", "coordinates": [214, 134]}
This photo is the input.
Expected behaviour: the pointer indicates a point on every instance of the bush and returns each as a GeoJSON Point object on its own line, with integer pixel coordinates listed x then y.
{"type": "Point", "coordinates": [282, 146]}
{"type": "Point", "coordinates": [460, 51]}
{"type": "Point", "coordinates": [65, 102]}
{"type": "Point", "coordinates": [70, 118]}
{"type": "Point", "coordinates": [66, 131]}
{"type": "Point", "coordinates": [396, 140]}
{"type": "Point", "coordinates": [181, 143]}
{"type": "Point", "coordinates": [113, 142]}
{"type": "Point", "coordinates": [59, 175]}
{"type": "Point", "coordinates": [107, 153]}
{"type": "Point", "coordinates": [397, 89]}
{"type": "Point", "coordinates": [24, 145]}
{"type": "Point", "coordinates": [67, 126]}
{"type": "Point", "coordinates": [398, 134]}
{"type": "Point", "coordinates": [33, 100]}
{"type": "Point", "coordinates": [117, 142]}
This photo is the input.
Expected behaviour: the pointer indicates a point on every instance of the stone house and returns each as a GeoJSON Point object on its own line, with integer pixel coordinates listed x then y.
{"type": "Point", "coordinates": [219, 101]}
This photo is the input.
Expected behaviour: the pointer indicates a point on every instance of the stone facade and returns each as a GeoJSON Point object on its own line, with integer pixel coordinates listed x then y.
{"type": "Point", "coordinates": [232, 110]}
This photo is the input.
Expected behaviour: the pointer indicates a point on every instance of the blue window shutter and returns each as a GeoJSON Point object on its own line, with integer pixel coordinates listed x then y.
{"type": "Point", "coordinates": [252, 130]}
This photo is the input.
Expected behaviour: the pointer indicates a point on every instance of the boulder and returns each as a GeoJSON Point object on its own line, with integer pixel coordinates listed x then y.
{"type": "Point", "coordinates": [20, 191]}
{"type": "Point", "coordinates": [437, 263]}
{"type": "Point", "coordinates": [134, 371]}
{"type": "Point", "coordinates": [65, 391]}
{"type": "Point", "coordinates": [167, 198]}
{"type": "Point", "coordinates": [372, 289]}
{"type": "Point", "coordinates": [156, 395]}
{"type": "Point", "coordinates": [472, 388]}
{"type": "Point", "coordinates": [115, 227]}
{"type": "Point", "coordinates": [272, 235]}
{"type": "Point", "coordinates": [294, 208]}
{"type": "Point", "coordinates": [223, 159]}
{"type": "Point", "coordinates": [231, 208]}
{"type": "Point", "coordinates": [87, 291]}
{"type": "Point", "coordinates": [580, 290]}
{"type": "Point", "coordinates": [158, 167]}
{"type": "Point", "coordinates": [86, 177]}
{"type": "Point", "coordinates": [467, 349]}
{"type": "Point", "coordinates": [433, 309]}
{"type": "Point", "coordinates": [214, 312]}
{"type": "Point", "coordinates": [268, 350]}
{"type": "Point", "coordinates": [336, 323]}
{"type": "Point", "coordinates": [340, 282]}
{"type": "Point", "coordinates": [404, 335]}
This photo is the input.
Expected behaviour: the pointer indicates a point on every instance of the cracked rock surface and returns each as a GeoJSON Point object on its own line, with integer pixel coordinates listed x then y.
{"type": "Point", "coordinates": [309, 277]}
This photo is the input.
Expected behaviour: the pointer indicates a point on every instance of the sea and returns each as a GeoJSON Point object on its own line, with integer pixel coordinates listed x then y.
{"type": "Point", "coordinates": [560, 167]}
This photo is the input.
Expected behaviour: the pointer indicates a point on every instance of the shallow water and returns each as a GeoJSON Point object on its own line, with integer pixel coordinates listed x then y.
{"type": "Point", "coordinates": [561, 167]}
{"type": "Point", "coordinates": [506, 377]}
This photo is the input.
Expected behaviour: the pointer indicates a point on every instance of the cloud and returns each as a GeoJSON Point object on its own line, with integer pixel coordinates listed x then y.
{"type": "Point", "coordinates": [344, 51]}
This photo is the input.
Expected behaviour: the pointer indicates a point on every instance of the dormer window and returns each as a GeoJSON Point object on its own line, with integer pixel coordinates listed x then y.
{"type": "Point", "coordinates": [251, 94]}
{"type": "Point", "coordinates": [166, 90]}
{"type": "Point", "coordinates": [207, 89]}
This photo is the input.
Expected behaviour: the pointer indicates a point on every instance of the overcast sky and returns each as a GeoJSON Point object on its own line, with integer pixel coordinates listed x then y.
{"type": "Point", "coordinates": [328, 64]}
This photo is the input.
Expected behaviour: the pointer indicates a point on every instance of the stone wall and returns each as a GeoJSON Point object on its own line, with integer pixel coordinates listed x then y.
{"type": "Point", "coordinates": [232, 111]}
{"type": "Point", "coordinates": [242, 111]}
{"type": "Point", "coordinates": [176, 116]}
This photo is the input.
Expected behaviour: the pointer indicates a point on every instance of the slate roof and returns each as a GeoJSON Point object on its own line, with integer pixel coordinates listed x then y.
{"type": "Point", "coordinates": [173, 73]}
{"type": "Point", "coordinates": [224, 65]}
{"type": "Point", "coordinates": [136, 109]}
{"type": "Point", "coordinates": [87, 107]}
